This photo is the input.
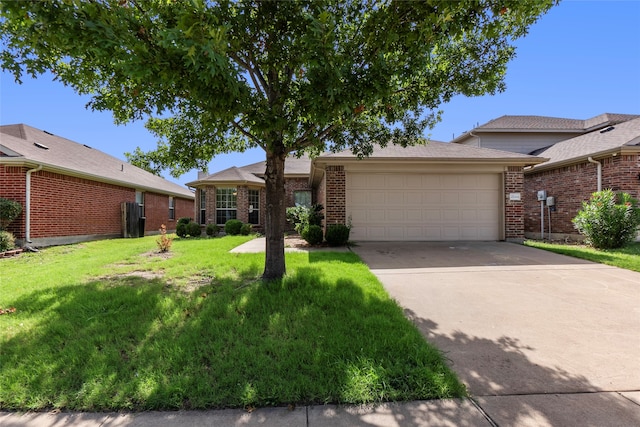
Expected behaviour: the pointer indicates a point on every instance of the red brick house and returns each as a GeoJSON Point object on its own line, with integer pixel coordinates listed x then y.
{"type": "Point", "coordinates": [71, 192]}
{"type": "Point", "coordinates": [608, 158]}
{"type": "Point", "coordinates": [569, 176]}
{"type": "Point", "coordinates": [239, 193]}
{"type": "Point", "coordinates": [437, 191]}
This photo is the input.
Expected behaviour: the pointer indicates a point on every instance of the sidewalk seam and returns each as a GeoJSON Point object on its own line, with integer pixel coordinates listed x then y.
{"type": "Point", "coordinates": [626, 398]}
{"type": "Point", "coordinates": [483, 412]}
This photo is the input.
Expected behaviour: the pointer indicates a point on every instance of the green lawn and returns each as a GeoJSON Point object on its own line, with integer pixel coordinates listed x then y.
{"type": "Point", "coordinates": [627, 257]}
{"type": "Point", "coordinates": [111, 325]}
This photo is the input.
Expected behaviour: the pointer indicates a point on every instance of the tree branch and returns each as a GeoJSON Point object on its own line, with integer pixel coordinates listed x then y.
{"type": "Point", "coordinates": [248, 134]}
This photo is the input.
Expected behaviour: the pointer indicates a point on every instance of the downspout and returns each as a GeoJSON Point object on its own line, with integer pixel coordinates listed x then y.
{"type": "Point", "coordinates": [590, 159]}
{"type": "Point", "coordinates": [27, 209]}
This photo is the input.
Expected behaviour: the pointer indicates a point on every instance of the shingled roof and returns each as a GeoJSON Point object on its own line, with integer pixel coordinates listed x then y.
{"type": "Point", "coordinates": [622, 136]}
{"type": "Point", "coordinates": [439, 151]}
{"type": "Point", "coordinates": [25, 145]}
{"type": "Point", "coordinates": [548, 124]}
{"type": "Point", "coordinates": [253, 173]}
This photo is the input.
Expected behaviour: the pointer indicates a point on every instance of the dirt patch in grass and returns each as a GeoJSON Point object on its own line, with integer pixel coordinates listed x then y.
{"type": "Point", "coordinates": [158, 254]}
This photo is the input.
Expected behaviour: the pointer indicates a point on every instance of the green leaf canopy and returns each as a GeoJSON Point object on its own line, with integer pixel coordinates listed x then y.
{"type": "Point", "coordinates": [287, 76]}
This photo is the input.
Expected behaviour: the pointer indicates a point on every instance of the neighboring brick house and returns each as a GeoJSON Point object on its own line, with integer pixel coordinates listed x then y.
{"type": "Point", "coordinates": [71, 192]}
{"type": "Point", "coordinates": [604, 159]}
{"type": "Point", "coordinates": [569, 177]}
{"type": "Point", "coordinates": [529, 134]}
{"type": "Point", "coordinates": [239, 193]}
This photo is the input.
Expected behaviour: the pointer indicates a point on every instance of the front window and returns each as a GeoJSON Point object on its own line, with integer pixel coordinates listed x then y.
{"type": "Point", "coordinates": [203, 207]}
{"type": "Point", "coordinates": [172, 210]}
{"type": "Point", "coordinates": [254, 206]}
{"type": "Point", "coordinates": [226, 205]}
{"type": "Point", "coordinates": [302, 198]}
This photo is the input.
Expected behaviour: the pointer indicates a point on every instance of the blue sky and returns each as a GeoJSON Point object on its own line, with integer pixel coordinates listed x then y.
{"type": "Point", "coordinates": [579, 60]}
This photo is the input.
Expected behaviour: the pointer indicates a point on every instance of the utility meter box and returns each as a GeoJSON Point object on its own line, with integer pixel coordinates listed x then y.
{"type": "Point", "coordinates": [551, 201]}
{"type": "Point", "coordinates": [542, 195]}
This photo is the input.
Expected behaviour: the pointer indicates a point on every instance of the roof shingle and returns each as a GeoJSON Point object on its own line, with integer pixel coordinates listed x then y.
{"type": "Point", "coordinates": [37, 146]}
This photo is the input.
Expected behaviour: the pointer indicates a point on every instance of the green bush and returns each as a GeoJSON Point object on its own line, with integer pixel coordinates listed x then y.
{"type": "Point", "coordinates": [194, 229]}
{"type": "Point", "coordinates": [608, 220]}
{"type": "Point", "coordinates": [302, 216]}
{"type": "Point", "coordinates": [212, 230]}
{"type": "Point", "coordinates": [7, 241]}
{"type": "Point", "coordinates": [245, 230]}
{"type": "Point", "coordinates": [337, 234]}
{"type": "Point", "coordinates": [312, 234]}
{"type": "Point", "coordinates": [184, 220]}
{"type": "Point", "coordinates": [181, 229]}
{"type": "Point", "coordinates": [9, 210]}
{"type": "Point", "coordinates": [232, 227]}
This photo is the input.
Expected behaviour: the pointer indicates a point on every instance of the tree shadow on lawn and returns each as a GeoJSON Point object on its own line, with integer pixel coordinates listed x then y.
{"type": "Point", "coordinates": [501, 368]}
{"type": "Point", "coordinates": [137, 343]}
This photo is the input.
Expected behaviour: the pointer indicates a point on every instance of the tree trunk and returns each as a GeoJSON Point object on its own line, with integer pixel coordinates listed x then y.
{"type": "Point", "coordinates": [274, 266]}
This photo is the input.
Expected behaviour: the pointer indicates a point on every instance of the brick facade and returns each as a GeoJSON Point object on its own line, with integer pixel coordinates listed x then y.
{"type": "Point", "coordinates": [335, 195]}
{"type": "Point", "coordinates": [291, 185]}
{"type": "Point", "coordinates": [570, 186]}
{"type": "Point", "coordinates": [514, 209]}
{"type": "Point", "coordinates": [63, 206]}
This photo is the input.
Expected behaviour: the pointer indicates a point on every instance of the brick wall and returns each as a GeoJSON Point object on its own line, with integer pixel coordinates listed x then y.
{"type": "Point", "coordinates": [571, 185]}
{"type": "Point", "coordinates": [12, 187]}
{"type": "Point", "coordinates": [514, 209]}
{"type": "Point", "coordinates": [63, 205]}
{"type": "Point", "coordinates": [294, 184]}
{"type": "Point", "coordinates": [156, 211]}
{"type": "Point", "coordinates": [335, 195]}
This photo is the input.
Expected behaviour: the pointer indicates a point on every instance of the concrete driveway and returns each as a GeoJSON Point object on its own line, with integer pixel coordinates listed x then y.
{"type": "Point", "coordinates": [539, 338]}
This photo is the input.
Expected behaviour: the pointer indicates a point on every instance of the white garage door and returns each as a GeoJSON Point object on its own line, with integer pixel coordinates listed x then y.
{"type": "Point", "coordinates": [427, 207]}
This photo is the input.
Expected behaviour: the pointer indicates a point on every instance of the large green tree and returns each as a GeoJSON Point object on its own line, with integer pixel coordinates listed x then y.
{"type": "Point", "coordinates": [286, 76]}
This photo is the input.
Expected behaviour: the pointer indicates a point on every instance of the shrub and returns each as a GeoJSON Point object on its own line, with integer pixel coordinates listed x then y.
{"type": "Point", "coordinates": [184, 220]}
{"type": "Point", "coordinates": [194, 229]}
{"type": "Point", "coordinates": [9, 210]}
{"type": "Point", "coordinates": [7, 241]}
{"type": "Point", "coordinates": [212, 230]}
{"type": "Point", "coordinates": [337, 234]}
{"type": "Point", "coordinates": [302, 216]}
{"type": "Point", "coordinates": [608, 220]}
{"type": "Point", "coordinates": [232, 227]}
{"type": "Point", "coordinates": [181, 229]}
{"type": "Point", "coordinates": [312, 234]}
{"type": "Point", "coordinates": [245, 230]}
{"type": "Point", "coordinates": [164, 241]}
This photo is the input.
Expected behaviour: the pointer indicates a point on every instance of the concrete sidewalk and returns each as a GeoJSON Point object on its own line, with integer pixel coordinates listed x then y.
{"type": "Point", "coordinates": [412, 414]}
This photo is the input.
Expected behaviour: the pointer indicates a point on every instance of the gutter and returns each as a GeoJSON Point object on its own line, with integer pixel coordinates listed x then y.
{"type": "Point", "coordinates": [599, 172]}
{"type": "Point", "coordinates": [27, 209]}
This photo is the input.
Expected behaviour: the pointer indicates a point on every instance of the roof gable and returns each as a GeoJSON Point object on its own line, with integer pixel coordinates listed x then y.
{"type": "Point", "coordinates": [60, 154]}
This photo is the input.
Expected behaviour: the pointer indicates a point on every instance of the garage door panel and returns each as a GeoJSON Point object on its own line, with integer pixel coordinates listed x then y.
{"type": "Point", "coordinates": [396, 206]}
{"type": "Point", "coordinates": [395, 215]}
{"type": "Point", "coordinates": [395, 199]}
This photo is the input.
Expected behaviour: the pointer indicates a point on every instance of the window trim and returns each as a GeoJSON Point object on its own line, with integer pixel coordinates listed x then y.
{"type": "Point", "coordinates": [203, 207]}
{"type": "Point", "coordinates": [172, 208]}
{"type": "Point", "coordinates": [140, 202]}
{"type": "Point", "coordinates": [253, 208]}
{"type": "Point", "coordinates": [228, 198]}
